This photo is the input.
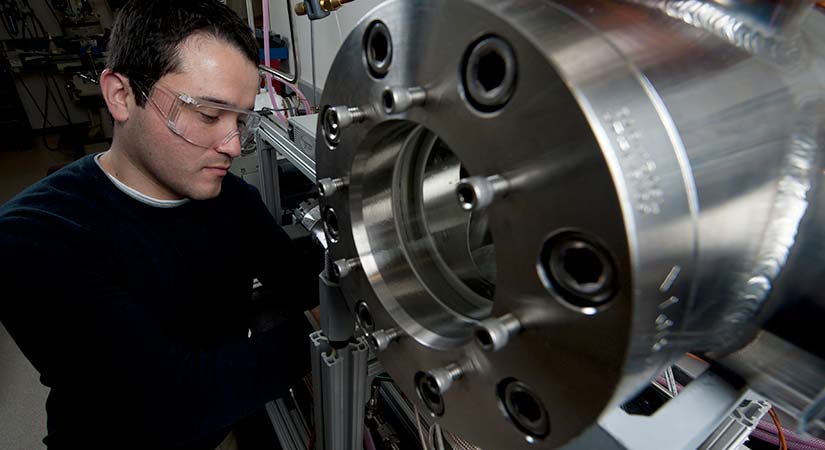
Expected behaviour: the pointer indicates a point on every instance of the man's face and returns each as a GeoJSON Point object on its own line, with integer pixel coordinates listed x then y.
{"type": "Point", "coordinates": [210, 69]}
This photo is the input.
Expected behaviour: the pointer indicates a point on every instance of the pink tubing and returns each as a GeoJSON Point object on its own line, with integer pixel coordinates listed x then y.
{"type": "Point", "coordinates": [767, 426]}
{"type": "Point", "coordinates": [774, 439]}
{"type": "Point", "coordinates": [369, 442]}
{"type": "Point", "coordinates": [278, 114]}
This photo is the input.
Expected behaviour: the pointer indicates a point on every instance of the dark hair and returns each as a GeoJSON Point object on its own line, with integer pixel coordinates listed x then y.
{"type": "Point", "coordinates": [147, 35]}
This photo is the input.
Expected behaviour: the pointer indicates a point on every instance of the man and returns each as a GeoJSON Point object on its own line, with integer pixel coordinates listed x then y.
{"type": "Point", "coordinates": [127, 275]}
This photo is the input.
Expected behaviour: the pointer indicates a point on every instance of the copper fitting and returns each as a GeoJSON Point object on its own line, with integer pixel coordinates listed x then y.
{"type": "Point", "coordinates": [301, 9]}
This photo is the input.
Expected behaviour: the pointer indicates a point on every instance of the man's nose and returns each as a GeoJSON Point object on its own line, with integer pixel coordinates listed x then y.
{"type": "Point", "coordinates": [231, 146]}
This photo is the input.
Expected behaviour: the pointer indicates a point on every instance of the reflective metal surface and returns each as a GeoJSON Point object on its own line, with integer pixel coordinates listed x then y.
{"type": "Point", "coordinates": [622, 181]}
{"type": "Point", "coordinates": [275, 136]}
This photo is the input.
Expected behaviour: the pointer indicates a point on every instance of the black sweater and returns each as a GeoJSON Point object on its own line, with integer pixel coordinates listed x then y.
{"type": "Point", "coordinates": [137, 317]}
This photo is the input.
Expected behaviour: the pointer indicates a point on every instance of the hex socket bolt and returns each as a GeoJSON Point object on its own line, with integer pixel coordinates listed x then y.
{"type": "Point", "coordinates": [494, 333]}
{"type": "Point", "coordinates": [382, 339]}
{"type": "Point", "coordinates": [329, 186]}
{"type": "Point", "coordinates": [477, 193]}
{"type": "Point", "coordinates": [344, 116]}
{"type": "Point", "coordinates": [343, 267]}
{"type": "Point", "coordinates": [445, 376]}
{"type": "Point", "coordinates": [399, 99]}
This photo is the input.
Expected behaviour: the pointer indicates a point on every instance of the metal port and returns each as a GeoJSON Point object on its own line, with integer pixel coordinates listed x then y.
{"type": "Point", "coordinates": [466, 196]}
{"type": "Point", "coordinates": [335, 119]}
{"type": "Point", "coordinates": [388, 98]}
{"type": "Point", "coordinates": [484, 339]}
{"type": "Point", "coordinates": [428, 391]}
{"type": "Point", "coordinates": [495, 333]}
{"type": "Point", "coordinates": [331, 224]}
{"type": "Point", "coordinates": [489, 74]}
{"type": "Point", "coordinates": [478, 193]}
{"type": "Point", "coordinates": [398, 100]}
{"type": "Point", "coordinates": [524, 409]}
{"type": "Point", "coordinates": [364, 316]}
{"type": "Point", "coordinates": [381, 339]}
{"type": "Point", "coordinates": [329, 186]}
{"type": "Point", "coordinates": [343, 267]}
{"type": "Point", "coordinates": [378, 49]}
{"type": "Point", "coordinates": [578, 269]}
{"type": "Point", "coordinates": [331, 126]}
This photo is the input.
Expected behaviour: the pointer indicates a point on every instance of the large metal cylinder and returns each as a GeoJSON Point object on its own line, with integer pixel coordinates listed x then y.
{"type": "Point", "coordinates": [549, 201]}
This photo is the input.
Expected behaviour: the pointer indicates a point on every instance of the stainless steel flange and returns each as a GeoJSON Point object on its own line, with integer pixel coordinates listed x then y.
{"type": "Point", "coordinates": [555, 176]}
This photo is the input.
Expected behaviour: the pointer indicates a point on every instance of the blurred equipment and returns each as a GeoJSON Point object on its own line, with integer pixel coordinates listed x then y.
{"type": "Point", "coordinates": [318, 9]}
{"type": "Point", "coordinates": [535, 208]}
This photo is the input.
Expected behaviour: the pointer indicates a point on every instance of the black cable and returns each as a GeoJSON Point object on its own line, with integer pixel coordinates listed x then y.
{"type": "Point", "coordinates": [46, 108]}
{"type": "Point", "coordinates": [34, 101]}
{"type": "Point", "coordinates": [45, 119]}
{"type": "Point", "coordinates": [67, 116]}
{"type": "Point", "coordinates": [47, 86]}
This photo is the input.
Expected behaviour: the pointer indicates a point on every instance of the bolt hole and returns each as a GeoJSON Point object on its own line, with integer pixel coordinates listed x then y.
{"type": "Point", "coordinates": [489, 73]}
{"type": "Point", "coordinates": [365, 316]}
{"type": "Point", "coordinates": [427, 389]}
{"type": "Point", "coordinates": [491, 70]}
{"type": "Point", "coordinates": [524, 409]}
{"type": "Point", "coordinates": [331, 127]}
{"type": "Point", "coordinates": [578, 269]}
{"type": "Point", "coordinates": [466, 196]}
{"type": "Point", "coordinates": [583, 265]}
{"type": "Point", "coordinates": [389, 101]}
{"type": "Point", "coordinates": [331, 224]}
{"type": "Point", "coordinates": [378, 49]}
{"type": "Point", "coordinates": [525, 406]}
{"type": "Point", "coordinates": [484, 339]}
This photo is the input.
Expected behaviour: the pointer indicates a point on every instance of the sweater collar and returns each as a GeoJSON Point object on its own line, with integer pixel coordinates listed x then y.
{"type": "Point", "coordinates": [137, 195]}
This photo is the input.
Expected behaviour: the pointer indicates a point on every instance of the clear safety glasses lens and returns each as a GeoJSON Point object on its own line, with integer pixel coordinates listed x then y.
{"type": "Point", "coordinates": [202, 123]}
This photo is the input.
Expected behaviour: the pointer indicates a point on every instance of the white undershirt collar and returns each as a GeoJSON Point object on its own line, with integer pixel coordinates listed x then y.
{"type": "Point", "coordinates": [137, 195]}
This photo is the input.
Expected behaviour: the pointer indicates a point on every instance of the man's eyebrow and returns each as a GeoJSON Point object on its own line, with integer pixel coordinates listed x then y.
{"type": "Point", "coordinates": [218, 101]}
{"type": "Point", "coordinates": [224, 102]}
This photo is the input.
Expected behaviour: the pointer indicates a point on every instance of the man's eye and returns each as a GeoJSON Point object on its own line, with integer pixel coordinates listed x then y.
{"type": "Point", "coordinates": [208, 119]}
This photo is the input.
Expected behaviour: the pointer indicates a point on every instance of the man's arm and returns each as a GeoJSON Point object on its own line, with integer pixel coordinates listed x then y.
{"type": "Point", "coordinates": [80, 331]}
{"type": "Point", "coordinates": [289, 276]}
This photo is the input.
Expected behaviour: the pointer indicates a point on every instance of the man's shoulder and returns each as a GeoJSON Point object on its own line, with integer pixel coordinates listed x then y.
{"type": "Point", "coordinates": [238, 194]}
{"type": "Point", "coordinates": [235, 187]}
{"type": "Point", "coordinates": [64, 198]}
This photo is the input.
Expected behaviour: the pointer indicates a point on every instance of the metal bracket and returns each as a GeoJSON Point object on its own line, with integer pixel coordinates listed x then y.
{"type": "Point", "coordinates": [339, 380]}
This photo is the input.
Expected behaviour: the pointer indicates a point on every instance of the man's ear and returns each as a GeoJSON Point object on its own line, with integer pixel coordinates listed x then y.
{"type": "Point", "coordinates": [117, 93]}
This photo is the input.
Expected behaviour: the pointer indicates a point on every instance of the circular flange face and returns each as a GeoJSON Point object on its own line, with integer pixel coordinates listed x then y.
{"type": "Point", "coordinates": [559, 247]}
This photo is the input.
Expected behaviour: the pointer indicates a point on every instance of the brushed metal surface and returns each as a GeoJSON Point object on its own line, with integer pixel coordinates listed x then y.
{"type": "Point", "coordinates": [691, 157]}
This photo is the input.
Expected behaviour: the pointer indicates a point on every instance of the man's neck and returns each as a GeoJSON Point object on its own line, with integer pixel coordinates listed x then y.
{"type": "Point", "coordinates": [117, 163]}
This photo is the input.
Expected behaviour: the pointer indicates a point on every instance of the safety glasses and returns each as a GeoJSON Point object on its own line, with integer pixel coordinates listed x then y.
{"type": "Point", "coordinates": [200, 122]}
